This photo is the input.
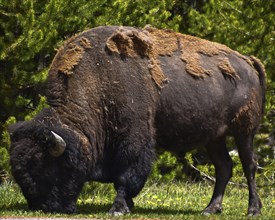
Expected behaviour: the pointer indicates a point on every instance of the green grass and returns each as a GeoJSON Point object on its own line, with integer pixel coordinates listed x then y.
{"type": "Point", "coordinates": [177, 200]}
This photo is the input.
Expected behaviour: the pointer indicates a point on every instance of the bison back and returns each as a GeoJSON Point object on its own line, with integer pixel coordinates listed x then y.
{"type": "Point", "coordinates": [185, 89]}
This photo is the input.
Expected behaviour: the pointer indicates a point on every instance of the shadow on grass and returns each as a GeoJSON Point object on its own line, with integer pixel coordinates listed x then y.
{"type": "Point", "coordinates": [104, 208]}
{"type": "Point", "coordinates": [93, 208]}
{"type": "Point", "coordinates": [165, 211]}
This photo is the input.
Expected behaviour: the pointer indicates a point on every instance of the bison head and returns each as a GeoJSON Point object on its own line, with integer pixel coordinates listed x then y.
{"type": "Point", "coordinates": [46, 164]}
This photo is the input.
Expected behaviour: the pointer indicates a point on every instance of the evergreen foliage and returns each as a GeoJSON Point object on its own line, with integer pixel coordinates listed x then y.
{"type": "Point", "coordinates": [31, 30]}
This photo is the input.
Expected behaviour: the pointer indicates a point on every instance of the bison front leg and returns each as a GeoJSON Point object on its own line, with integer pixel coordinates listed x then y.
{"type": "Point", "coordinates": [223, 171]}
{"type": "Point", "coordinates": [122, 204]}
{"type": "Point", "coordinates": [132, 167]}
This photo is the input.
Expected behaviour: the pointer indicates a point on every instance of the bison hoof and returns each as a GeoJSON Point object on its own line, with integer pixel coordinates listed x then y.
{"type": "Point", "coordinates": [254, 212]}
{"type": "Point", "coordinates": [115, 214]}
{"type": "Point", "coordinates": [255, 208]}
{"type": "Point", "coordinates": [118, 210]}
{"type": "Point", "coordinates": [217, 209]}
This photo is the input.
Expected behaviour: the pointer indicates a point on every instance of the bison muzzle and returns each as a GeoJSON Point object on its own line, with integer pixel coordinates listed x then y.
{"type": "Point", "coordinates": [115, 94]}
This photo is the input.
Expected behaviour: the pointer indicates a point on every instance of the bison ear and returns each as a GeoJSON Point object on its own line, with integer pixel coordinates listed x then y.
{"type": "Point", "coordinates": [59, 147]}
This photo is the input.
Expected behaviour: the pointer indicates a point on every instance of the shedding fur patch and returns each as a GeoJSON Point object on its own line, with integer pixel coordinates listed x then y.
{"type": "Point", "coordinates": [193, 47]}
{"type": "Point", "coordinates": [152, 43]}
{"type": "Point", "coordinates": [156, 73]}
{"type": "Point", "coordinates": [69, 57]}
{"type": "Point", "coordinates": [85, 43]}
{"type": "Point", "coordinates": [165, 42]}
{"type": "Point", "coordinates": [194, 67]}
{"type": "Point", "coordinates": [135, 43]}
{"type": "Point", "coordinates": [129, 43]}
{"type": "Point", "coordinates": [248, 116]}
{"type": "Point", "coordinates": [226, 68]}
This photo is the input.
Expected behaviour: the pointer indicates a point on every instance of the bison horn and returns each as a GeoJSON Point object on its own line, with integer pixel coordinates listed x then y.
{"type": "Point", "coordinates": [60, 146]}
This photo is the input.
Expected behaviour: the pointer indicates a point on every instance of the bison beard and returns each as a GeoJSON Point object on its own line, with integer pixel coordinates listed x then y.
{"type": "Point", "coordinates": [116, 94]}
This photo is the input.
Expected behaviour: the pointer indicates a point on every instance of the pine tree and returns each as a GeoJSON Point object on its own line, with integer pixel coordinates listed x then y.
{"type": "Point", "coordinates": [29, 33]}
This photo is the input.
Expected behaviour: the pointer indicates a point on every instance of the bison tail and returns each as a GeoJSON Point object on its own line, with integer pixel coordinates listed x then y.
{"type": "Point", "coordinates": [257, 64]}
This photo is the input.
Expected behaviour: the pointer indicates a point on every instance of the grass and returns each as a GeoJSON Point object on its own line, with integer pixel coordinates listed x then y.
{"type": "Point", "coordinates": [177, 200]}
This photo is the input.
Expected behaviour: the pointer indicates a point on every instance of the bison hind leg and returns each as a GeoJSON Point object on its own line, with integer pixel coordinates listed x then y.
{"type": "Point", "coordinates": [244, 144]}
{"type": "Point", "coordinates": [219, 156]}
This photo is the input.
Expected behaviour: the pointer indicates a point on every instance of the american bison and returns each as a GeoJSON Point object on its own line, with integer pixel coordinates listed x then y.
{"type": "Point", "coordinates": [115, 94]}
